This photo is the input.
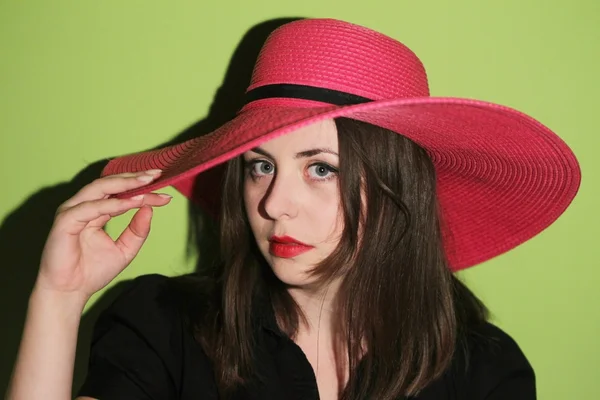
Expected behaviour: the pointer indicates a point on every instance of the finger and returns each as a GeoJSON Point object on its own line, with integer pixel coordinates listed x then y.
{"type": "Point", "coordinates": [103, 187]}
{"type": "Point", "coordinates": [150, 199]}
{"type": "Point", "coordinates": [113, 184]}
{"type": "Point", "coordinates": [133, 237]}
{"type": "Point", "coordinates": [75, 219]}
{"type": "Point", "coordinates": [100, 222]}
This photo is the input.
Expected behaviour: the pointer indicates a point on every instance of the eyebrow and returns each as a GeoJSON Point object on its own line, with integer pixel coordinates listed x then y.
{"type": "Point", "coordinates": [302, 154]}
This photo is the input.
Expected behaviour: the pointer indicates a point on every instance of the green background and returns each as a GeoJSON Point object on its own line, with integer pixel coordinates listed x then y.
{"type": "Point", "coordinates": [81, 81]}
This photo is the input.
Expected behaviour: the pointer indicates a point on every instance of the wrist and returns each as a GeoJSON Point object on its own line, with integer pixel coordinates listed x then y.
{"type": "Point", "coordinates": [66, 303]}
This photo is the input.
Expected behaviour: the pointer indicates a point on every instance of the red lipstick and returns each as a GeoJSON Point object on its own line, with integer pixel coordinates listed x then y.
{"type": "Point", "coordinates": [287, 247]}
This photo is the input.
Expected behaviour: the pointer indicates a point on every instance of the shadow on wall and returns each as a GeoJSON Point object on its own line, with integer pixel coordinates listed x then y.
{"type": "Point", "coordinates": [24, 231]}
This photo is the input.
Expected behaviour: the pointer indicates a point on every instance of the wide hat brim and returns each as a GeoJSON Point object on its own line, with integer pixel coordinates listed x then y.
{"type": "Point", "coordinates": [502, 177]}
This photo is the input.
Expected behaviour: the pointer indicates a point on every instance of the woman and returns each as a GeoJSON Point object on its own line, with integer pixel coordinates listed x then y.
{"type": "Point", "coordinates": [348, 199]}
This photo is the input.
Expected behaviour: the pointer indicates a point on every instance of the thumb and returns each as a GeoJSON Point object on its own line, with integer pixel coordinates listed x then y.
{"type": "Point", "coordinates": [133, 237]}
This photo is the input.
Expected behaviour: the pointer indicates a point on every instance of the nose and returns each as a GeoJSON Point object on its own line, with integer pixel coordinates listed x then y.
{"type": "Point", "coordinates": [280, 200]}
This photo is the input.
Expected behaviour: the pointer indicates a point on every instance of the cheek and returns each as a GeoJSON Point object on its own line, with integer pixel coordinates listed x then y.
{"type": "Point", "coordinates": [247, 197]}
{"type": "Point", "coordinates": [327, 213]}
{"type": "Point", "coordinates": [252, 198]}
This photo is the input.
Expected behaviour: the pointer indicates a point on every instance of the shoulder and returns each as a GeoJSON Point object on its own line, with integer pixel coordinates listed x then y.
{"type": "Point", "coordinates": [491, 346]}
{"type": "Point", "coordinates": [160, 303]}
{"type": "Point", "coordinates": [491, 365]}
{"type": "Point", "coordinates": [143, 288]}
{"type": "Point", "coordinates": [148, 308]}
{"type": "Point", "coordinates": [141, 345]}
{"type": "Point", "coordinates": [161, 294]}
{"type": "Point", "coordinates": [148, 298]}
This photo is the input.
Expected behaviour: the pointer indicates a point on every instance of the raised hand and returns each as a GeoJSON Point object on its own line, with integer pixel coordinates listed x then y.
{"type": "Point", "coordinates": [79, 257]}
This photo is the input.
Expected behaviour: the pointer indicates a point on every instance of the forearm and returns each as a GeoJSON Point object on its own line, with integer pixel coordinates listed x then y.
{"type": "Point", "coordinates": [44, 367]}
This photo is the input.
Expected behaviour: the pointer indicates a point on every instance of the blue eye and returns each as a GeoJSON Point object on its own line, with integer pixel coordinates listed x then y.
{"type": "Point", "coordinates": [321, 171]}
{"type": "Point", "coordinates": [317, 172]}
{"type": "Point", "coordinates": [261, 168]}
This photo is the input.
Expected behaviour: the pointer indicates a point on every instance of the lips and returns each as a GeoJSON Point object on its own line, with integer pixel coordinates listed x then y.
{"type": "Point", "coordinates": [287, 247]}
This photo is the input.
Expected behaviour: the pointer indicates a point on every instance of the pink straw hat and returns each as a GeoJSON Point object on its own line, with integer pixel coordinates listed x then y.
{"type": "Point", "coordinates": [502, 176]}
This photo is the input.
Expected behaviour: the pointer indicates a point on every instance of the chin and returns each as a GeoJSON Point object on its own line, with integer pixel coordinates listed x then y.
{"type": "Point", "coordinates": [291, 272]}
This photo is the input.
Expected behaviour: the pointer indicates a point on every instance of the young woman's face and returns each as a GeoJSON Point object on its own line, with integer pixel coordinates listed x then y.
{"type": "Point", "coordinates": [292, 200]}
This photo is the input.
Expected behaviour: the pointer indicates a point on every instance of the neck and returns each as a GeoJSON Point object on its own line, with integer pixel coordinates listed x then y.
{"type": "Point", "coordinates": [319, 336]}
{"type": "Point", "coordinates": [318, 305]}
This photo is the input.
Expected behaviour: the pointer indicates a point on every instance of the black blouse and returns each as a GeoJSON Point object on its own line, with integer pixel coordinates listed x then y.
{"type": "Point", "coordinates": [143, 349]}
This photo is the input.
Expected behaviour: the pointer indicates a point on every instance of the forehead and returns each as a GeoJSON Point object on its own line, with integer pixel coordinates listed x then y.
{"type": "Point", "coordinates": [322, 134]}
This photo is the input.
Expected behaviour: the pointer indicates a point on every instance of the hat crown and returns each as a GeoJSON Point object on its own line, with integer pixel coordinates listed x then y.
{"type": "Point", "coordinates": [341, 56]}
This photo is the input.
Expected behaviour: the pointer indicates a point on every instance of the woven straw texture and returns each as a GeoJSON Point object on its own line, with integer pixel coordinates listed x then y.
{"type": "Point", "coordinates": [502, 176]}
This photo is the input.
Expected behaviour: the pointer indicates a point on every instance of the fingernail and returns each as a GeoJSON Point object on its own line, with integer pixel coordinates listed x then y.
{"type": "Point", "coordinates": [153, 172]}
{"type": "Point", "coordinates": [145, 178]}
{"type": "Point", "coordinates": [165, 196]}
{"type": "Point", "coordinates": [138, 197]}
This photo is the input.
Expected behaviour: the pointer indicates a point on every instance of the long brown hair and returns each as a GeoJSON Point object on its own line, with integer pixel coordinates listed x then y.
{"type": "Point", "coordinates": [406, 312]}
